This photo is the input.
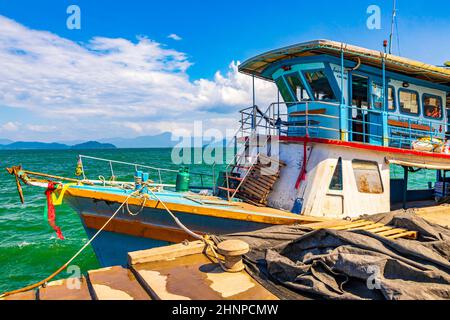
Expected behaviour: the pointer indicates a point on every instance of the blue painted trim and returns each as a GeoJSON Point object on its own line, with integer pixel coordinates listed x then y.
{"type": "Point", "coordinates": [419, 106]}
{"type": "Point", "coordinates": [271, 69]}
{"type": "Point", "coordinates": [331, 80]}
{"type": "Point", "coordinates": [423, 106]}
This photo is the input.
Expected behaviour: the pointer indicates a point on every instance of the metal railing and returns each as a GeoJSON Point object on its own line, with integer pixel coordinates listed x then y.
{"type": "Point", "coordinates": [371, 126]}
{"type": "Point", "coordinates": [137, 166]}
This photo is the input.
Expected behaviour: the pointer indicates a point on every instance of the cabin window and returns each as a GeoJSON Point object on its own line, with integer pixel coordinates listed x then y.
{"type": "Point", "coordinates": [360, 88]}
{"type": "Point", "coordinates": [432, 106]}
{"type": "Point", "coordinates": [367, 175]}
{"type": "Point", "coordinates": [284, 91]}
{"type": "Point", "coordinates": [336, 180]}
{"type": "Point", "coordinates": [377, 95]}
{"type": "Point", "coordinates": [297, 87]}
{"type": "Point", "coordinates": [391, 98]}
{"type": "Point", "coordinates": [409, 102]}
{"type": "Point", "coordinates": [320, 85]}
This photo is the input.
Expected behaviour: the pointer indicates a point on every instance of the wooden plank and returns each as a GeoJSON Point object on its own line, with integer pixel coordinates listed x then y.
{"type": "Point", "coordinates": [353, 225]}
{"type": "Point", "coordinates": [166, 253]}
{"type": "Point", "coordinates": [391, 232]}
{"type": "Point", "coordinates": [368, 227]}
{"type": "Point", "coordinates": [29, 295]}
{"type": "Point", "coordinates": [68, 289]}
{"type": "Point", "coordinates": [310, 112]}
{"type": "Point", "coordinates": [404, 124]}
{"type": "Point", "coordinates": [406, 234]}
{"type": "Point", "coordinates": [116, 283]}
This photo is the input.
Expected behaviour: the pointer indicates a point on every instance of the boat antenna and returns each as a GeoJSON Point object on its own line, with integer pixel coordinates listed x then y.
{"type": "Point", "coordinates": [394, 14]}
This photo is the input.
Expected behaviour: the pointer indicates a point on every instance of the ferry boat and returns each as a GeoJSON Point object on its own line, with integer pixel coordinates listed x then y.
{"type": "Point", "coordinates": [344, 116]}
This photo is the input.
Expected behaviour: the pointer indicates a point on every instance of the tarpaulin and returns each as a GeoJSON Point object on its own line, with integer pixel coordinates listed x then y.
{"type": "Point", "coordinates": [295, 262]}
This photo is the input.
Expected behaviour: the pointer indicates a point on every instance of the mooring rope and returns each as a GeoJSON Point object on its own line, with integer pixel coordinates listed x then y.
{"type": "Point", "coordinates": [206, 239]}
{"type": "Point", "coordinates": [64, 266]}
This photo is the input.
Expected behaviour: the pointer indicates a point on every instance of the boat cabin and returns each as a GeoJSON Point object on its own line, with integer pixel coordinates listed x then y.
{"type": "Point", "coordinates": [345, 115]}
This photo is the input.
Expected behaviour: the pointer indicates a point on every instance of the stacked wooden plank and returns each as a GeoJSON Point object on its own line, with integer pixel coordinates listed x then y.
{"type": "Point", "coordinates": [370, 226]}
{"type": "Point", "coordinates": [259, 182]}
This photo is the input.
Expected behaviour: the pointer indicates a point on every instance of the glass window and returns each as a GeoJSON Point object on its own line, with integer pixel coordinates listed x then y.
{"type": "Point", "coordinates": [320, 85]}
{"type": "Point", "coordinates": [432, 106]}
{"type": "Point", "coordinates": [367, 175]}
{"type": "Point", "coordinates": [391, 98]}
{"type": "Point", "coordinates": [360, 89]}
{"type": "Point", "coordinates": [297, 87]}
{"type": "Point", "coordinates": [336, 180]}
{"type": "Point", "coordinates": [409, 102]}
{"type": "Point", "coordinates": [284, 91]}
{"type": "Point", "coordinates": [377, 95]}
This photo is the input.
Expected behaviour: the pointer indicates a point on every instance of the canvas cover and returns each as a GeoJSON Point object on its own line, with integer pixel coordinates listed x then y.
{"type": "Point", "coordinates": [295, 262]}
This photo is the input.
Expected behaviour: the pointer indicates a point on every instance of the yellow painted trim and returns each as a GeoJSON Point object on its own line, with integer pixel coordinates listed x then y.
{"type": "Point", "coordinates": [271, 216]}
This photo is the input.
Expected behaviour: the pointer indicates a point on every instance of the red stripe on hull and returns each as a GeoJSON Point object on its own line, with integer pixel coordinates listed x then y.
{"type": "Point", "coordinates": [366, 147]}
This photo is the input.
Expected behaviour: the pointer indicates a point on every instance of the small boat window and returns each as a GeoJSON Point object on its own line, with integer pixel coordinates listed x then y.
{"type": "Point", "coordinates": [297, 87]}
{"type": "Point", "coordinates": [360, 90]}
{"type": "Point", "coordinates": [320, 85]}
{"type": "Point", "coordinates": [432, 106]}
{"type": "Point", "coordinates": [377, 95]}
{"type": "Point", "coordinates": [367, 175]}
{"type": "Point", "coordinates": [409, 102]}
{"type": "Point", "coordinates": [284, 91]}
{"type": "Point", "coordinates": [336, 180]}
{"type": "Point", "coordinates": [391, 98]}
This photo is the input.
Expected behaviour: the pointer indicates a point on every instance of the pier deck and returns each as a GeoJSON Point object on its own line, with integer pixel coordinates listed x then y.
{"type": "Point", "coordinates": [186, 271]}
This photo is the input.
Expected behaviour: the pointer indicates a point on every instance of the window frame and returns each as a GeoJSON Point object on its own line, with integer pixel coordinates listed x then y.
{"type": "Point", "coordinates": [419, 106]}
{"type": "Point", "coordinates": [339, 164]}
{"type": "Point", "coordinates": [394, 96]}
{"type": "Point", "coordinates": [311, 91]}
{"type": "Point", "coordinates": [423, 106]}
{"type": "Point", "coordinates": [302, 80]}
{"type": "Point", "coordinates": [379, 176]}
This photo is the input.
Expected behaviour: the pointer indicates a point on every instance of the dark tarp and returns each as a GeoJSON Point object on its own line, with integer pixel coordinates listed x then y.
{"type": "Point", "coordinates": [295, 262]}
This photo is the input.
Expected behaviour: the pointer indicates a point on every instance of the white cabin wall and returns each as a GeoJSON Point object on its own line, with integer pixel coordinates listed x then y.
{"type": "Point", "coordinates": [318, 200]}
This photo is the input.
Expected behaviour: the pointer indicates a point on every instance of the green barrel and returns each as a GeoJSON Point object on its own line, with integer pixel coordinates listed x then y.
{"type": "Point", "coordinates": [183, 179]}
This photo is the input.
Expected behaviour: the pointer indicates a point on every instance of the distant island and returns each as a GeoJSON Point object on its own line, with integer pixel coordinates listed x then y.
{"type": "Point", "coordinates": [163, 140]}
{"type": "Point", "coordinates": [22, 145]}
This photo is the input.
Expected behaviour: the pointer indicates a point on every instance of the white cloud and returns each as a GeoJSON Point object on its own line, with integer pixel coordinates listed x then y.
{"type": "Point", "coordinates": [174, 36]}
{"type": "Point", "coordinates": [9, 127]}
{"type": "Point", "coordinates": [110, 86]}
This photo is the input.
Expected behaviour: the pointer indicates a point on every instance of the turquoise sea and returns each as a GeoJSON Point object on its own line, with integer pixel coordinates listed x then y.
{"type": "Point", "coordinates": [29, 249]}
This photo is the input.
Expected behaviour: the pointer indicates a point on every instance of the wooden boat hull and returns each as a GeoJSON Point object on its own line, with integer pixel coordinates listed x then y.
{"type": "Point", "coordinates": [153, 226]}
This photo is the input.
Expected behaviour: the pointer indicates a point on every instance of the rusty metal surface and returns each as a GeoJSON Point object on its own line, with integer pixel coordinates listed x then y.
{"type": "Point", "coordinates": [65, 290]}
{"type": "Point", "coordinates": [116, 283]}
{"type": "Point", "coordinates": [196, 277]}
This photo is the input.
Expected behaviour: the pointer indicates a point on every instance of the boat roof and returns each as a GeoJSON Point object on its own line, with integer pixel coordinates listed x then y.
{"type": "Point", "coordinates": [257, 65]}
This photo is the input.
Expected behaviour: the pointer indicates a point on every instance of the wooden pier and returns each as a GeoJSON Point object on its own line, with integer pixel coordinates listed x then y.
{"type": "Point", "coordinates": [188, 271]}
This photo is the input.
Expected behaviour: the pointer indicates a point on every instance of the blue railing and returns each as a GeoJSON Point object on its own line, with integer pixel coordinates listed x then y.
{"type": "Point", "coordinates": [349, 123]}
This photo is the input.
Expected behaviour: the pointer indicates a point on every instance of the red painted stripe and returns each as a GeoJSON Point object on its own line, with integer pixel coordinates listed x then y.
{"type": "Point", "coordinates": [371, 147]}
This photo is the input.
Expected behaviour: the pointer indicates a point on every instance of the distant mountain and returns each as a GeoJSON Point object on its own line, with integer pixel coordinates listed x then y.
{"type": "Point", "coordinates": [21, 145]}
{"type": "Point", "coordinates": [163, 140]}
{"type": "Point", "coordinates": [5, 141]}
{"type": "Point", "coordinates": [93, 145]}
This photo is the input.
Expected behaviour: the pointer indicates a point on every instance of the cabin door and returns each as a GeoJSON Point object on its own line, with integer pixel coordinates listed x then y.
{"type": "Point", "coordinates": [359, 110]}
{"type": "Point", "coordinates": [375, 117]}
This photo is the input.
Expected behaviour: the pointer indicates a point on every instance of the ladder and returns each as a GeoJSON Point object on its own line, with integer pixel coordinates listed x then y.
{"type": "Point", "coordinates": [252, 181]}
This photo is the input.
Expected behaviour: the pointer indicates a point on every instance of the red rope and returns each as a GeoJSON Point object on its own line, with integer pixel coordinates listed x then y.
{"type": "Point", "coordinates": [302, 175]}
{"type": "Point", "coordinates": [51, 213]}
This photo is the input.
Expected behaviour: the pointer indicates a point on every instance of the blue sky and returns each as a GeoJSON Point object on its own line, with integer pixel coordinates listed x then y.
{"type": "Point", "coordinates": [65, 82]}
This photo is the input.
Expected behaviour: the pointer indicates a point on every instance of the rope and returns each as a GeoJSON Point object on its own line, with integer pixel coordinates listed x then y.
{"type": "Point", "coordinates": [206, 239]}
{"type": "Point", "coordinates": [64, 266]}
